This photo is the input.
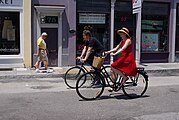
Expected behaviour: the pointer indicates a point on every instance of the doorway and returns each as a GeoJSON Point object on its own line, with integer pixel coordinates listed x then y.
{"type": "Point", "coordinates": [52, 45]}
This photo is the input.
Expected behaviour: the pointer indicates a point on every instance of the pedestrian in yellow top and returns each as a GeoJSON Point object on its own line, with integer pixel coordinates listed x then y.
{"type": "Point", "coordinates": [42, 53]}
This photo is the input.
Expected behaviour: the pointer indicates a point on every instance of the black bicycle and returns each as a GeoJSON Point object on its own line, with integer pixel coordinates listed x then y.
{"type": "Point", "coordinates": [87, 88]}
{"type": "Point", "coordinates": [73, 73]}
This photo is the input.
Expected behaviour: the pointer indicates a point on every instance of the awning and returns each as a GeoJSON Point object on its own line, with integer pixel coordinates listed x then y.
{"type": "Point", "coordinates": [50, 9]}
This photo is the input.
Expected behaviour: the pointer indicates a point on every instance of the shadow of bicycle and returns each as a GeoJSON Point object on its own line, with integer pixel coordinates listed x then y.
{"type": "Point", "coordinates": [120, 96]}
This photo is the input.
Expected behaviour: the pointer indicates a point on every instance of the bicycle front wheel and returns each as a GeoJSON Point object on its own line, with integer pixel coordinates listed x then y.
{"type": "Point", "coordinates": [135, 86]}
{"type": "Point", "coordinates": [72, 75]}
{"type": "Point", "coordinates": [90, 86]}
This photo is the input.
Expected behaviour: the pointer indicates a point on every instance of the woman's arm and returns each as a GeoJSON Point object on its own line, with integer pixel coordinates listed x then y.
{"type": "Point", "coordinates": [127, 43]}
{"type": "Point", "coordinates": [114, 49]}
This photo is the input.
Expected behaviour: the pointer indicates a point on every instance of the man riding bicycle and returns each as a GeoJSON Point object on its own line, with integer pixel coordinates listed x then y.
{"type": "Point", "coordinates": [91, 48]}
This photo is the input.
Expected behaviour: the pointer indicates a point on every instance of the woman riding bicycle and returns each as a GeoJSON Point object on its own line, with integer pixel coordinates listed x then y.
{"type": "Point", "coordinates": [124, 65]}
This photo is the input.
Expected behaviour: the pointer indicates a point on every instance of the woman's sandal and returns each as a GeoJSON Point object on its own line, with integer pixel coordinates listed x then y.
{"type": "Point", "coordinates": [112, 88]}
{"type": "Point", "coordinates": [124, 81]}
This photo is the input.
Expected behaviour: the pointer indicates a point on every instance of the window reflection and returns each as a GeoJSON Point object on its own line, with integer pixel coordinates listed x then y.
{"type": "Point", "coordinates": [155, 23]}
{"type": "Point", "coordinates": [9, 33]}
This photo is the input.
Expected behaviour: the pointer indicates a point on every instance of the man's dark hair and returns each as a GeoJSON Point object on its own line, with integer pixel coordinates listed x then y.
{"type": "Point", "coordinates": [87, 33]}
{"type": "Point", "coordinates": [88, 28]}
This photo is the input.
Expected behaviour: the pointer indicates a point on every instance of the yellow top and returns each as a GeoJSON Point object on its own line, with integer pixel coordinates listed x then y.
{"type": "Point", "coordinates": [41, 43]}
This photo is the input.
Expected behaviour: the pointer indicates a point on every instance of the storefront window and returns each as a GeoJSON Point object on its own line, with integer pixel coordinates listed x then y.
{"type": "Point", "coordinates": [155, 24]}
{"type": "Point", "coordinates": [96, 15]}
{"type": "Point", "coordinates": [123, 18]}
{"type": "Point", "coordinates": [9, 33]}
{"type": "Point", "coordinates": [99, 24]}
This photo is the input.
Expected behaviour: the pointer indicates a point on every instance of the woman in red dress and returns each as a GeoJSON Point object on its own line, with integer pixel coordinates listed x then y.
{"type": "Point", "coordinates": [125, 65]}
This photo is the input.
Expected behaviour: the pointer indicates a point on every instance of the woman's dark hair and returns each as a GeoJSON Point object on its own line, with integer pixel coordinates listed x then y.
{"type": "Point", "coordinates": [87, 33]}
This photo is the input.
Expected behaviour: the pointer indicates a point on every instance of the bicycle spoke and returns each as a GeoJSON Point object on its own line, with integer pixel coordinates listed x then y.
{"type": "Point", "coordinates": [91, 88]}
{"type": "Point", "coordinates": [72, 75]}
{"type": "Point", "coordinates": [135, 87]}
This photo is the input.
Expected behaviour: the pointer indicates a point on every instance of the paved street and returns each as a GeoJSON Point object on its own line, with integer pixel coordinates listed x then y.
{"type": "Point", "coordinates": [50, 99]}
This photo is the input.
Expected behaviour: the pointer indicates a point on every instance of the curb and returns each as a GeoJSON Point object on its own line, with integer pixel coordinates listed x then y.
{"type": "Point", "coordinates": [32, 76]}
{"type": "Point", "coordinates": [161, 72]}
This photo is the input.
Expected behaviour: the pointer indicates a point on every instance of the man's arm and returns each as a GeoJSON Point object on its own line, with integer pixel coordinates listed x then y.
{"type": "Point", "coordinates": [37, 54]}
{"type": "Point", "coordinates": [38, 47]}
{"type": "Point", "coordinates": [83, 52]}
{"type": "Point", "coordinates": [88, 53]}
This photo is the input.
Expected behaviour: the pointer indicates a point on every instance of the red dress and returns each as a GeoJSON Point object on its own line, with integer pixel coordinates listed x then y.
{"type": "Point", "coordinates": [126, 63]}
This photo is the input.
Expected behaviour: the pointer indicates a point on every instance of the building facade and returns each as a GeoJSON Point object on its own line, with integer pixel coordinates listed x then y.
{"type": "Point", "coordinates": [159, 31]}
{"type": "Point", "coordinates": [56, 18]}
{"type": "Point", "coordinates": [158, 41]}
{"type": "Point", "coordinates": [23, 21]}
{"type": "Point", "coordinates": [15, 33]}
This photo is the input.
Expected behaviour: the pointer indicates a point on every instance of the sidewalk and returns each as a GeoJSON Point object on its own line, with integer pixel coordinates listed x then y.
{"type": "Point", "coordinates": [153, 69]}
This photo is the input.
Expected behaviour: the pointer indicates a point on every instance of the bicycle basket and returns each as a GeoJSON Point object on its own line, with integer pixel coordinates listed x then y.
{"type": "Point", "coordinates": [98, 62]}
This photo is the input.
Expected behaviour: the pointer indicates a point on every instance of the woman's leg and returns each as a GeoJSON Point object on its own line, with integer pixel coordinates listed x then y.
{"type": "Point", "coordinates": [119, 73]}
{"type": "Point", "coordinates": [113, 75]}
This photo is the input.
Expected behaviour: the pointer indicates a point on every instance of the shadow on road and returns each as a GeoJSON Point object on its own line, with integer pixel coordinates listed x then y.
{"type": "Point", "coordinates": [118, 96]}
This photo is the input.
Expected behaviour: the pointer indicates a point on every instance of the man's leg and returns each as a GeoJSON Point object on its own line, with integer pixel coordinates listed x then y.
{"type": "Point", "coordinates": [37, 66]}
{"type": "Point", "coordinates": [45, 64]}
{"type": "Point", "coordinates": [90, 58]}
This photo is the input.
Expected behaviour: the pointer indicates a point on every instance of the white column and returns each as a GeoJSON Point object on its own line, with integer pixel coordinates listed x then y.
{"type": "Point", "coordinates": [172, 34]}
{"type": "Point", "coordinates": [60, 40]}
{"type": "Point", "coordinates": [38, 25]}
{"type": "Point", "coordinates": [112, 27]}
{"type": "Point", "coordinates": [138, 37]}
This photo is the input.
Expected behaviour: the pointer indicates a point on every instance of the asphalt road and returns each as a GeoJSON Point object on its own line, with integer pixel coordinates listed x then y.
{"type": "Point", "coordinates": [50, 99]}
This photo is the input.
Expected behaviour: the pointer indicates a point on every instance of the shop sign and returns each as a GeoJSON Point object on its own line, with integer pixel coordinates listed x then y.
{"type": "Point", "coordinates": [17, 3]}
{"type": "Point", "coordinates": [91, 18]}
{"type": "Point", "coordinates": [152, 25]}
{"type": "Point", "coordinates": [136, 6]}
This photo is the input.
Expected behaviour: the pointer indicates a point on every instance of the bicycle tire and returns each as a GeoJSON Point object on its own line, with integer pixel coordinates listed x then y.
{"type": "Point", "coordinates": [107, 68]}
{"type": "Point", "coordinates": [72, 75]}
{"type": "Point", "coordinates": [106, 75]}
{"type": "Point", "coordinates": [136, 86]}
{"type": "Point", "coordinates": [86, 87]}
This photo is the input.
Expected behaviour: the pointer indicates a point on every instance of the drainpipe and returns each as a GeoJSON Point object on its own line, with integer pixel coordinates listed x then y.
{"type": "Point", "coordinates": [138, 38]}
{"type": "Point", "coordinates": [112, 28]}
{"type": "Point", "coordinates": [172, 34]}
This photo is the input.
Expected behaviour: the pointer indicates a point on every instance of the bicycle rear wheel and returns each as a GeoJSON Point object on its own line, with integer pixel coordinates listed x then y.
{"type": "Point", "coordinates": [72, 75]}
{"type": "Point", "coordinates": [135, 86]}
{"type": "Point", "coordinates": [90, 86]}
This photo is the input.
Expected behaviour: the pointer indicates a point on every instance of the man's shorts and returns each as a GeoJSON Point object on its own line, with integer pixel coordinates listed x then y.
{"type": "Point", "coordinates": [42, 56]}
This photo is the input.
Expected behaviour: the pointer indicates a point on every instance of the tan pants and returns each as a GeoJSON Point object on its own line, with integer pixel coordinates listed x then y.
{"type": "Point", "coordinates": [42, 56]}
